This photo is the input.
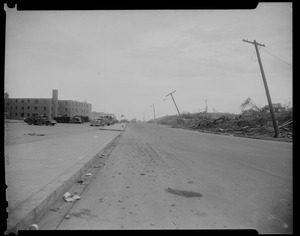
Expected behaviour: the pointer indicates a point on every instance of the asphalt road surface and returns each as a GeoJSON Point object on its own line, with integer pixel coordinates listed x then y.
{"type": "Point", "coordinates": [162, 178]}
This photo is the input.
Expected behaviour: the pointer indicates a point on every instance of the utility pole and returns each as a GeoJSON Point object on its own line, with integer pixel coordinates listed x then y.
{"type": "Point", "coordinates": [173, 100]}
{"type": "Point", "coordinates": [206, 106]}
{"type": "Point", "coordinates": [266, 86]}
{"type": "Point", "coordinates": [154, 112]}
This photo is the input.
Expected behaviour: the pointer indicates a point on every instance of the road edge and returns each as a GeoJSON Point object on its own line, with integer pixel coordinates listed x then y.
{"type": "Point", "coordinates": [56, 189]}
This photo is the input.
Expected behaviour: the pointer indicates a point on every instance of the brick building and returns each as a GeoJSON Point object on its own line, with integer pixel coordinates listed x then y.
{"type": "Point", "coordinates": [16, 108]}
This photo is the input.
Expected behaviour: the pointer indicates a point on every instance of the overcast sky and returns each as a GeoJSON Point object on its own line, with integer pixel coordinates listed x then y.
{"type": "Point", "coordinates": [123, 62]}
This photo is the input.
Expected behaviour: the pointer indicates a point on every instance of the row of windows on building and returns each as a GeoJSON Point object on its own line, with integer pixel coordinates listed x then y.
{"type": "Point", "coordinates": [66, 102]}
{"type": "Point", "coordinates": [22, 108]}
{"type": "Point", "coordinates": [45, 108]}
{"type": "Point", "coordinates": [23, 114]}
{"type": "Point", "coordinates": [28, 101]}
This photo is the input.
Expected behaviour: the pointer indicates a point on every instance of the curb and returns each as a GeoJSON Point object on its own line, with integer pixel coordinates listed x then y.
{"type": "Point", "coordinates": [54, 190]}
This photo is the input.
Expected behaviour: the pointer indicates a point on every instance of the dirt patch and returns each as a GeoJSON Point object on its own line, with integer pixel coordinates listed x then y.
{"type": "Point", "coordinates": [34, 134]}
{"type": "Point", "coordinates": [183, 193]}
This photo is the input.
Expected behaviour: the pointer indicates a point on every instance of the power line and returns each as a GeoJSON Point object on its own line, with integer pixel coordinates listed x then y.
{"type": "Point", "coordinates": [277, 57]}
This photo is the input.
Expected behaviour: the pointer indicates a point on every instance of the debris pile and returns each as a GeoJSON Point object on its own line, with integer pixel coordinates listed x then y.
{"type": "Point", "coordinates": [256, 124]}
{"type": "Point", "coordinates": [70, 198]}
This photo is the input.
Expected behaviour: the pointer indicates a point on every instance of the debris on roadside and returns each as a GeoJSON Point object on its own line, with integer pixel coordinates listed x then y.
{"type": "Point", "coordinates": [88, 174]}
{"type": "Point", "coordinates": [66, 195]}
{"type": "Point", "coordinates": [103, 156]}
{"type": "Point", "coordinates": [255, 124]}
{"type": "Point", "coordinates": [67, 216]}
{"type": "Point", "coordinates": [76, 197]}
{"type": "Point", "coordinates": [55, 209]}
{"type": "Point", "coordinates": [70, 198]}
{"type": "Point", "coordinates": [80, 181]}
{"type": "Point", "coordinates": [33, 227]}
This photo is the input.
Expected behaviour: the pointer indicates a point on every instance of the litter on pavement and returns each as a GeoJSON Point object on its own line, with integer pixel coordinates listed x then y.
{"type": "Point", "coordinates": [69, 198]}
{"type": "Point", "coordinates": [33, 227]}
{"type": "Point", "coordinates": [103, 155]}
{"type": "Point", "coordinates": [88, 174]}
{"type": "Point", "coordinates": [76, 197]}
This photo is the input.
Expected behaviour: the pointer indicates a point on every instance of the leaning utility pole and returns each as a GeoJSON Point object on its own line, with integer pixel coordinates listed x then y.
{"type": "Point", "coordinates": [173, 100]}
{"type": "Point", "coordinates": [266, 86]}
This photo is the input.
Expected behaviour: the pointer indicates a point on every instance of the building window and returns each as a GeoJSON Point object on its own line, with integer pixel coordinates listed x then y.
{"type": "Point", "coordinates": [36, 101]}
{"type": "Point", "coordinates": [22, 108]}
{"type": "Point", "coordinates": [22, 101]}
{"type": "Point", "coordinates": [66, 109]}
{"type": "Point", "coordinates": [66, 102]}
{"type": "Point", "coordinates": [16, 100]}
{"type": "Point", "coordinates": [22, 114]}
{"type": "Point", "coordinates": [45, 108]}
{"type": "Point", "coordinates": [35, 108]}
{"type": "Point", "coordinates": [16, 107]}
{"type": "Point", "coordinates": [28, 108]}
{"type": "Point", "coordinates": [28, 114]}
{"type": "Point", "coordinates": [28, 100]}
{"type": "Point", "coordinates": [16, 114]}
{"type": "Point", "coordinates": [10, 108]}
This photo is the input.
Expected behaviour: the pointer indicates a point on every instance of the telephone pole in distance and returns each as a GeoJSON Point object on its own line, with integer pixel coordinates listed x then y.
{"type": "Point", "coordinates": [266, 86]}
{"type": "Point", "coordinates": [174, 101]}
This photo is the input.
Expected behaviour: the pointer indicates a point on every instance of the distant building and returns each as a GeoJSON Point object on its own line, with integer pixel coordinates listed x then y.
{"type": "Point", "coordinates": [16, 108]}
{"type": "Point", "coordinates": [276, 106]}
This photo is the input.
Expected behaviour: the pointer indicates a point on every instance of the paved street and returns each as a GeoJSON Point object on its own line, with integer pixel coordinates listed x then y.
{"type": "Point", "coordinates": [162, 178]}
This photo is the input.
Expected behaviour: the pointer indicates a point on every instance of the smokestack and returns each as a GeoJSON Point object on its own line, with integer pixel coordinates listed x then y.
{"type": "Point", "coordinates": [55, 102]}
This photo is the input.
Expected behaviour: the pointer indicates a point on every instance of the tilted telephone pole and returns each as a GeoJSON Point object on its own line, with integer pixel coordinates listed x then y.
{"type": "Point", "coordinates": [266, 86]}
{"type": "Point", "coordinates": [173, 100]}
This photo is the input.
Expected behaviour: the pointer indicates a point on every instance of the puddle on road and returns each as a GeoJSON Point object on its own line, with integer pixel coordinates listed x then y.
{"type": "Point", "coordinates": [183, 193]}
{"type": "Point", "coordinates": [34, 134]}
{"type": "Point", "coordinates": [81, 213]}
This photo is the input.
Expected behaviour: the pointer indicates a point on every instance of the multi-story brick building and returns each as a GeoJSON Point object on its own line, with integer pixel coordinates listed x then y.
{"type": "Point", "coordinates": [16, 108]}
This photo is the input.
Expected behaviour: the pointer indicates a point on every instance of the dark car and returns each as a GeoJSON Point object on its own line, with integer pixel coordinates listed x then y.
{"type": "Point", "coordinates": [40, 120]}
{"type": "Point", "coordinates": [77, 120]}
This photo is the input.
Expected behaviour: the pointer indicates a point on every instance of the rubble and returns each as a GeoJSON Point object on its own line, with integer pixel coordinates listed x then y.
{"type": "Point", "coordinates": [257, 125]}
{"type": "Point", "coordinates": [103, 156]}
{"type": "Point", "coordinates": [70, 198]}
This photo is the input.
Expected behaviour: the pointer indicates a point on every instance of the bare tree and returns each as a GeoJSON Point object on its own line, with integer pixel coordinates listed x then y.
{"type": "Point", "coordinates": [248, 103]}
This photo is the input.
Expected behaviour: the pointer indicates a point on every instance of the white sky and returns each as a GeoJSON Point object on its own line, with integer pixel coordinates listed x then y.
{"type": "Point", "coordinates": [123, 62]}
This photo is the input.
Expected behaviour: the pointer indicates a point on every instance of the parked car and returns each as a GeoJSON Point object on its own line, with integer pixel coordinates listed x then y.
{"type": "Point", "coordinates": [40, 120]}
{"type": "Point", "coordinates": [96, 122]}
{"type": "Point", "coordinates": [77, 120]}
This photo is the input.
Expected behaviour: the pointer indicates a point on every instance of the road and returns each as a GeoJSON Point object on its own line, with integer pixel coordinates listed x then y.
{"type": "Point", "coordinates": [162, 178]}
